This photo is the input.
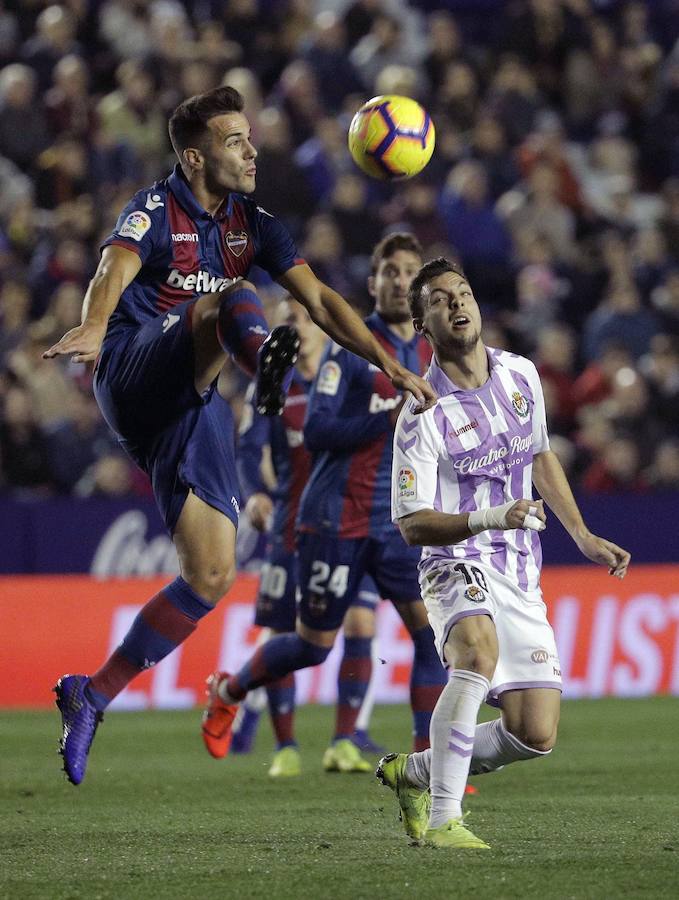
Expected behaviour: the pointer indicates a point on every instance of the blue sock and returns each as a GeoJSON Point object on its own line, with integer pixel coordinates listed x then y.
{"type": "Point", "coordinates": [352, 684]}
{"type": "Point", "coordinates": [164, 623]}
{"type": "Point", "coordinates": [427, 680]}
{"type": "Point", "coordinates": [242, 327]}
{"type": "Point", "coordinates": [282, 654]}
{"type": "Point", "coordinates": [281, 696]}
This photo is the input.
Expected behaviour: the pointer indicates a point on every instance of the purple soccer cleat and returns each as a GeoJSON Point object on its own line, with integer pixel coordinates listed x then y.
{"type": "Point", "coordinates": [365, 743]}
{"type": "Point", "coordinates": [276, 357]}
{"type": "Point", "coordinates": [80, 719]}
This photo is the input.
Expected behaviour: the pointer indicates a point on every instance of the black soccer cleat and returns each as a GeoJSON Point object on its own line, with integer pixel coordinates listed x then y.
{"type": "Point", "coordinates": [276, 357]}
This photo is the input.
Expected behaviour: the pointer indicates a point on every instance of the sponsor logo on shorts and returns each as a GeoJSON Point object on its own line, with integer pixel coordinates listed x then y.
{"type": "Point", "coordinates": [556, 671]}
{"type": "Point", "coordinates": [235, 505]}
{"type": "Point", "coordinates": [236, 241]}
{"type": "Point", "coordinates": [407, 483]}
{"type": "Point", "coordinates": [135, 225]}
{"type": "Point", "coordinates": [317, 605]}
{"type": "Point", "coordinates": [474, 594]}
{"type": "Point", "coordinates": [329, 378]}
{"type": "Point", "coordinates": [520, 404]}
{"type": "Point", "coordinates": [185, 237]}
{"type": "Point", "coordinates": [540, 656]}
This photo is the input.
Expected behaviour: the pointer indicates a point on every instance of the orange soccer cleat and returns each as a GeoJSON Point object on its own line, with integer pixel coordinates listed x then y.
{"type": "Point", "coordinates": [217, 718]}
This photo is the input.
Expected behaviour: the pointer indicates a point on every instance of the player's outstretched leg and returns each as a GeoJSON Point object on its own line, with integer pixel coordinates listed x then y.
{"type": "Point", "coordinates": [414, 801]}
{"type": "Point", "coordinates": [80, 719]}
{"type": "Point", "coordinates": [276, 358]}
{"type": "Point", "coordinates": [218, 718]}
{"type": "Point", "coordinates": [284, 653]}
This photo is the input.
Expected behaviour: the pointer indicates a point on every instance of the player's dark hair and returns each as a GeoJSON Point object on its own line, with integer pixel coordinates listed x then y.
{"type": "Point", "coordinates": [428, 273]}
{"type": "Point", "coordinates": [399, 240]}
{"type": "Point", "coordinates": [188, 123]}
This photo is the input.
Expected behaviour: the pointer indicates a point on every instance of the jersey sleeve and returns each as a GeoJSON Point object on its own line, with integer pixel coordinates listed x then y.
{"type": "Point", "coordinates": [414, 474]}
{"type": "Point", "coordinates": [277, 251]}
{"type": "Point", "coordinates": [327, 426]}
{"type": "Point", "coordinates": [253, 436]}
{"type": "Point", "coordinates": [138, 229]}
{"type": "Point", "coordinates": [539, 421]}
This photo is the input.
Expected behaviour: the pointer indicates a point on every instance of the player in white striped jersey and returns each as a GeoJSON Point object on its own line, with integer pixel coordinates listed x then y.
{"type": "Point", "coordinates": [462, 489]}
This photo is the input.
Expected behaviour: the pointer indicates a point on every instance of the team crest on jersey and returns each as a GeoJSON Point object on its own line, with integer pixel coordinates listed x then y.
{"type": "Point", "coordinates": [236, 241]}
{"type": "Point", "coordinates": [520, 404]}
{"type": "Point", "coordinates": [329, 378]}
{"type": "Point", "coordinates": [407, 483]}
{"type": "Point", "coordinates": [474, 594]}
{"type": "Point", "coordinates": [135, 225]}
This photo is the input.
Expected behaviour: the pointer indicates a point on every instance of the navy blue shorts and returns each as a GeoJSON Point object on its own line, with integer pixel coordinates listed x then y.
{"type": "Point", "coordinates": [278, 601]}
{"type": "Point", "coordinates": [144, 385]}
{"type": "Point", "coordinates": [331, 571]}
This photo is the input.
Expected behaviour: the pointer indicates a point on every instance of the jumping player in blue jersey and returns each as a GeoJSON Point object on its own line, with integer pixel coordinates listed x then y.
{"type": "Point", "coordinates": [273, 508]}
{"type": "Point", "coordinates": [166, 305]}
{"type": "Point", "coordinates": [345, 512]}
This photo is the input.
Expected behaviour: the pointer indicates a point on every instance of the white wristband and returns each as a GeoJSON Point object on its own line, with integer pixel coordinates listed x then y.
{"type": "Point", "coordinates": [530, 520]}
{"type": "Point", "coordinates": [493, 517]}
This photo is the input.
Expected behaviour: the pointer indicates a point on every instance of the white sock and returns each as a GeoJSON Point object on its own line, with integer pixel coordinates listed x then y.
{"type": "Point", "coordinates": [452, 731]}
{"type": "Point", "coordinates": [495, 747]}
{"type": "Point", "coordinates": [363, 720]}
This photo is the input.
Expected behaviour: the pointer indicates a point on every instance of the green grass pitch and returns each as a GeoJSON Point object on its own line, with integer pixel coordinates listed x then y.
{"type": "Point", "coordinates": [157, 818]}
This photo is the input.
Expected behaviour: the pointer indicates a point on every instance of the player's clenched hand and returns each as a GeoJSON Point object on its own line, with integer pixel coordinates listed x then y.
{"type": "Point", "coordinates": [422, 391]}
{"type": "Point", "coordinates": [527, 514]}
{"type": "Point", "coordinates": [258, 509]}
{"type": "Point", "coordinates": [82, 343]}
{"type": "Point", "coordinates": [605, 553]}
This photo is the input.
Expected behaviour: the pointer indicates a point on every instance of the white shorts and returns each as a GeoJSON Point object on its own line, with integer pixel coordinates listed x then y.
{"type": "Point", "coordinates": [527, 658]}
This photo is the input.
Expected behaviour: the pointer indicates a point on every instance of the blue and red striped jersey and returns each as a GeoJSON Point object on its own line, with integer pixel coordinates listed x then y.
{"type": "Point", "coordinates": [186, 252]}
{"type": "Point", "coordinates": [291, 460]}
{"type": "Point", "coordinates": [350, 431]}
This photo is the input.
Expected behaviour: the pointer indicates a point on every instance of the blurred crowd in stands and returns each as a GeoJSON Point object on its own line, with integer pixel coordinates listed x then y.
{"type": "Point", "coordinates": [555, 181]}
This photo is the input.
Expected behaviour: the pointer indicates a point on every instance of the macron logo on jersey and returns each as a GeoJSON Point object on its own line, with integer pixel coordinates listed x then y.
{"type": "Point", "coordinates": [200, 282]}
{"type": "Point", "coordinates": [181, 236]}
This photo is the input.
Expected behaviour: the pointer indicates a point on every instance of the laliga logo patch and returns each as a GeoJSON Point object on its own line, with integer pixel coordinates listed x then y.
{"type": "Point", "coordinates": [520, 404]}
{"type": "Point", "coordinates": [135, 225]}
{"type": "Point", "coordinates": [407, 483]}
{"type": "Point", "coordinates": [474, 594]}
{"type": "Point", "coordinates": [236, 241]}
{"type": "Point", "coordinates": [329, 378]}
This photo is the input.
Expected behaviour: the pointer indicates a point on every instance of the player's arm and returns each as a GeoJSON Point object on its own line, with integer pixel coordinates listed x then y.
{"type": "Point", "coordinates": [117, 267]}
{"type": "Point", "coordinates": [430, 528]}
{"type": "Point", "coordinates": [550, 480]}
{"type": "Point", "coordinates": [329, 424]}
{"type": "Point", "coordinates": [334, 315]}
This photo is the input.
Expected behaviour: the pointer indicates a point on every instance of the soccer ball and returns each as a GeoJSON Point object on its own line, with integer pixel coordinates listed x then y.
{"type": "Point", "coordinates": [391, 137]}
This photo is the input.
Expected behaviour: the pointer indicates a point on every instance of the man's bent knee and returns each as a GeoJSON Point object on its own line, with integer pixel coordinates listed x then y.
{"type": "Point", "coordinates": [211, 582]}
{"type": "Point", "coordinates": [325, 639]}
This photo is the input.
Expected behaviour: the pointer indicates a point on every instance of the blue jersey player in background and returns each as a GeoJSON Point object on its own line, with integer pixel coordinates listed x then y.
{"type": "Point", "coordinates": [166, 305]}
{"type": "Point", "coordinates": [273, 508]}
{"type": "Point", "coordinates": [345, 512]}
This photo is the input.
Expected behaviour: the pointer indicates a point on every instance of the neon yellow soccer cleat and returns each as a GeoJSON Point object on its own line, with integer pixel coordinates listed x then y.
{"type": "Point", "coordinates": [415, 804]}
{"type": "Point", "coordinates": [286, 763]}
{"type": "Point", "coordinates": [454, 835]}
{"type": "Point", "coordinates": [344, 756]}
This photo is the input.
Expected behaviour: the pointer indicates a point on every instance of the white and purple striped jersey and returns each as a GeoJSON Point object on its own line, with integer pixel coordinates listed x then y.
{"type": "Point", "coordinates": [474, 449]}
